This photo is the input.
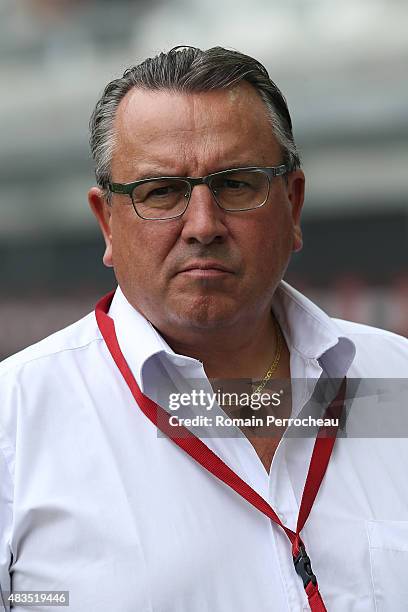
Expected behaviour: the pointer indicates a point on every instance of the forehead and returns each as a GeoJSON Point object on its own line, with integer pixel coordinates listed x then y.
{"type": "Point", "coordinates": [196, 131]}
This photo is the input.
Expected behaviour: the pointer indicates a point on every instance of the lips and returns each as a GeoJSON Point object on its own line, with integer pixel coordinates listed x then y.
{"type": "Point", "coordinates": [206, 265]}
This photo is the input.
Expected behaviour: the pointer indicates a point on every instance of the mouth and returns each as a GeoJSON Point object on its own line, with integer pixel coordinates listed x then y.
{"type": "Point", "coordinates": [206, 269]}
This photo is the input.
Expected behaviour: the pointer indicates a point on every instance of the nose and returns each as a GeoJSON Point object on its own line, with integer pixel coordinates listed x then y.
{"type": "Point", "coordinates": [204, 220]}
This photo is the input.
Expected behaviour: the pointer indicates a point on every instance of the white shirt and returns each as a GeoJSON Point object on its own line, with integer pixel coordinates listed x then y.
{"type": "Point", "coordinates": [93, 502]}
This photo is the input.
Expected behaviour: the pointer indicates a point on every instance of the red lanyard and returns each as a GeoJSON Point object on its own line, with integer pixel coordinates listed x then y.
{"type": "Point", "coordinates": [210, 461]}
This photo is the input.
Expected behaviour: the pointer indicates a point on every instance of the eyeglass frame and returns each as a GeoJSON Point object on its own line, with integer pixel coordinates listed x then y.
{"type": "Point", "coordinates": [127, 188]}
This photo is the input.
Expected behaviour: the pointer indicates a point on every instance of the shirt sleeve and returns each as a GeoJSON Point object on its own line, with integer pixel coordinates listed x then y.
{"type": "Point", "coordinates": [6, 514]}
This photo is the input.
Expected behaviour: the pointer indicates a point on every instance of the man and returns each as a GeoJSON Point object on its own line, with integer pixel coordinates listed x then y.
{"type": "Point", "coordinates": [199, 199]}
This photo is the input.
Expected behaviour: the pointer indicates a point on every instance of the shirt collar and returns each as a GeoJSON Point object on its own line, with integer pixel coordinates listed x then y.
{"type": "Point", "coordinates": [310, 332]}
{"type": "Point", "coordinates": [307, 329]}
{"type": "Point", "coordinates": [139, 340]}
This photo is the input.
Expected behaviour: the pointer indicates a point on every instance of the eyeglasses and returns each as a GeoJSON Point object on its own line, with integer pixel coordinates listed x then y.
{"type": "Point", "coordinates": [167, 197]}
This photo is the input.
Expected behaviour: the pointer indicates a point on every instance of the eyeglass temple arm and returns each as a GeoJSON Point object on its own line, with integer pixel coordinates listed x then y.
{"type": "Point", "coordinates": [121, 188]}
{"type": "Point", "coordinates": [278, 170]}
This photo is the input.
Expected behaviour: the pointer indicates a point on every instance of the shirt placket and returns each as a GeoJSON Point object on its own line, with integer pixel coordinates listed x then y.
{"type": "Point", "coordinates": [287, 480]}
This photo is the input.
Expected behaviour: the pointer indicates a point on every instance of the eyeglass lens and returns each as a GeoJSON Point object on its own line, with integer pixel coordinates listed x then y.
{"type": "Point", "coordinates": [235, 190]}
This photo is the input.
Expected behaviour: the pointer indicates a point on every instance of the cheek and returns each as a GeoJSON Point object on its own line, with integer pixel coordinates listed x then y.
{"type": "Point", "coordinates": [123, 242]}
{"type": "Point", "coordinates": [139, 251]}
{"type": "Point", "coordinates": [269, 240]}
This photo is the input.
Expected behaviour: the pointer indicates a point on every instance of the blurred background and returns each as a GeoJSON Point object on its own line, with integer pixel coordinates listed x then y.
{"type": "Point", "coordinates": [342, 65]}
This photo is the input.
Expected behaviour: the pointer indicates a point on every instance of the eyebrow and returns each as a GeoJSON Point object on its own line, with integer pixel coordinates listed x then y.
{"type": "Point", "coordinates": [154, 173]}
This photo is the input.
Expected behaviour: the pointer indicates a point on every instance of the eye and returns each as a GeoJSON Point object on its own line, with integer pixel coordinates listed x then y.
{"type": "Point", "coordinates": [162, 192]}
{"type": "Point", "coordinates": [233, 184]}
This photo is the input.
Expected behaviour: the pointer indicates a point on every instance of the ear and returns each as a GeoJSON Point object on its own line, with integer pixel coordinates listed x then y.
{"type": "Point", "coordinates": [103, 213]}
{"type": "Point", "coordinates": [296, 194]}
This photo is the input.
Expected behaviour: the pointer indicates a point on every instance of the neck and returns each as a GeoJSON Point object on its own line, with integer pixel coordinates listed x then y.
{"type": "Point", "coordinates": [245, 352]}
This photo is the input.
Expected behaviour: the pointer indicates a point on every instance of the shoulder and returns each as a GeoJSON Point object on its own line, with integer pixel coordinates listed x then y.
{"type": "Point", "coordinates": [372, 351]}
{"type": "Point", "coordinates": [45, 379]}
{"type": "Point", "coordinates": [75, 337]}
{"type": "Point", "coordinates": [367, 332]}
{"type": "Point", "coordinates": [379, 352]}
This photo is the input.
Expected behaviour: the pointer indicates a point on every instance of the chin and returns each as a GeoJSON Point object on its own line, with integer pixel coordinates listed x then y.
{"type": "Point", "coordinates": [206, 312]}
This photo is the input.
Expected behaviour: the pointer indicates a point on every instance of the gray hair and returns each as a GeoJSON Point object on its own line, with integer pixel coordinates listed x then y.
{"type": "Point", "coordinates": [188, 69]}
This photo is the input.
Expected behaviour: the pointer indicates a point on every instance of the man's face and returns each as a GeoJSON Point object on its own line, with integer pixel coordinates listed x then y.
{"type": "Point", "coordinates": [163, 133]}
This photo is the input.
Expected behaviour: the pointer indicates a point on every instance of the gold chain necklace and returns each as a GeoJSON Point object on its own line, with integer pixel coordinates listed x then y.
{"type": "Point", "coordinates": [272, 368]}
{"type": "Point", "coordinates": [275, 363]}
